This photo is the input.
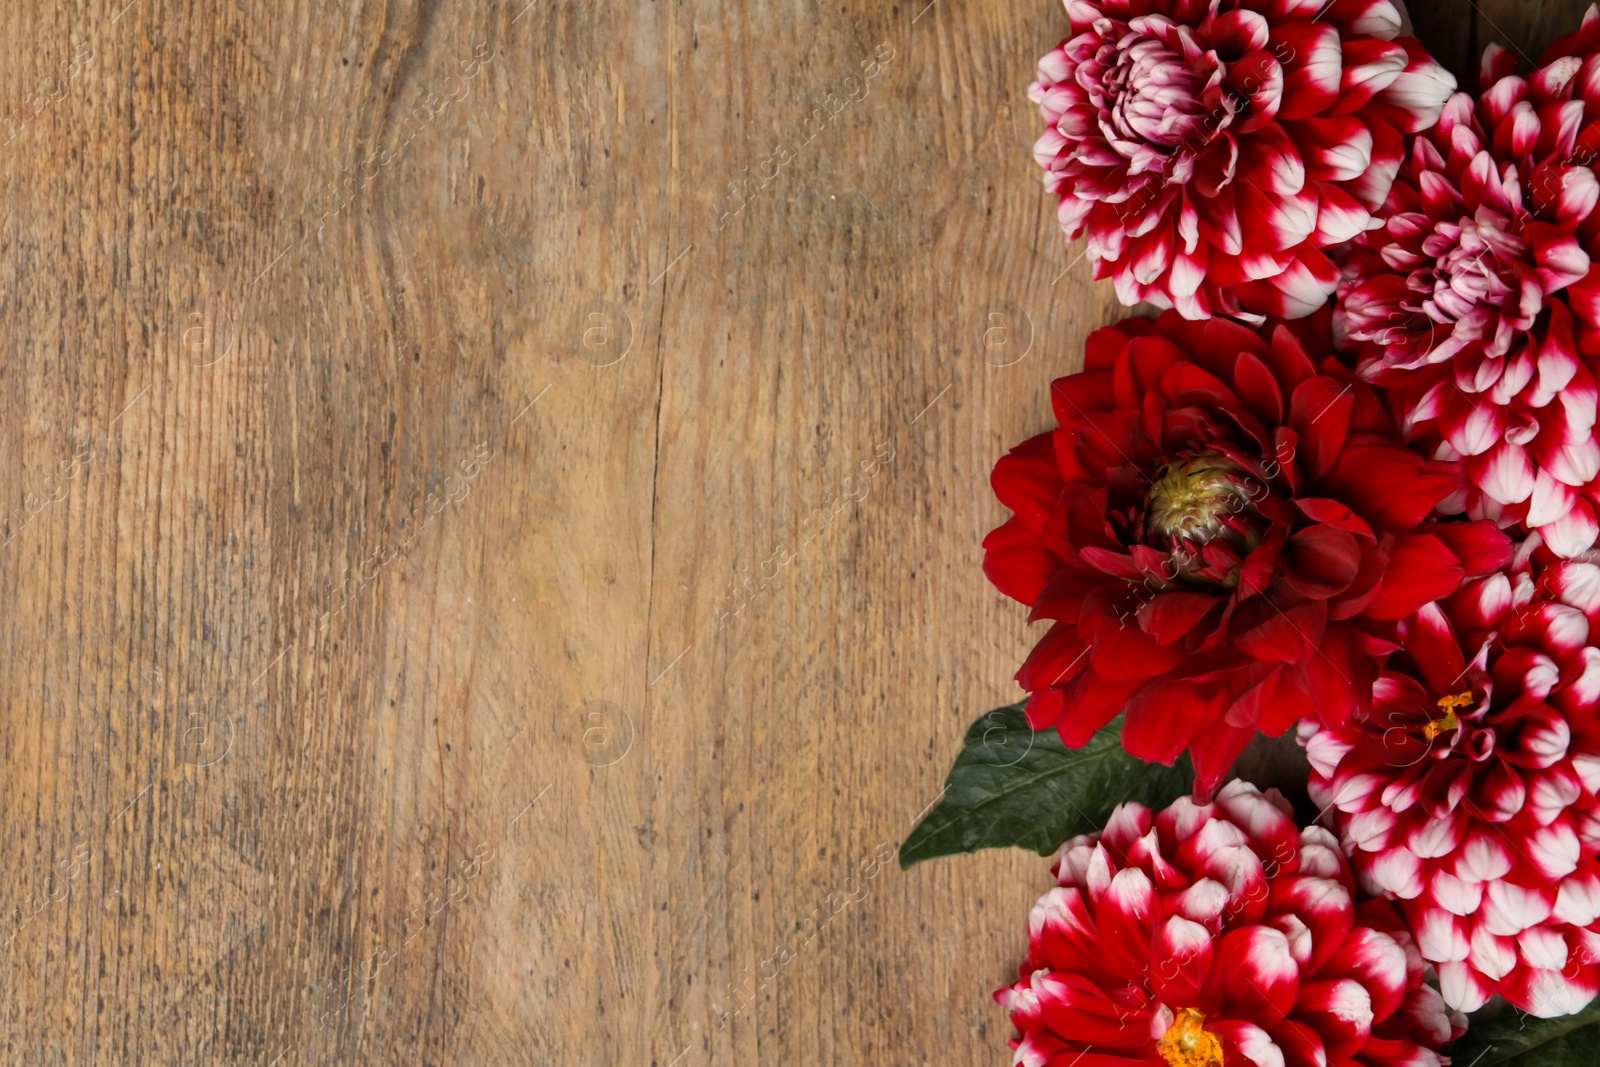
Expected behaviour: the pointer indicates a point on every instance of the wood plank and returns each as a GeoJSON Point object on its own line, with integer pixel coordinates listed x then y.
{"type": "Point", "coordinates": [484, 591]}
{"type": "Point", "coordinates": [1526, 26]}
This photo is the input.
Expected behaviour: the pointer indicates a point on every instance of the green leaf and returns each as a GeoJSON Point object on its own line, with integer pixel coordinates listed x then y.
{"type": "Point", "coordinates": [1014, 786]}
{"type": "Point", "coordinates": [1518, 1040]}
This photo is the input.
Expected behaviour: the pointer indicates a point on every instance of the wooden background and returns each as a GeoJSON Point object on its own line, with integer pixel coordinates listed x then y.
{"type": "Point", "coordinates": [475, 594]}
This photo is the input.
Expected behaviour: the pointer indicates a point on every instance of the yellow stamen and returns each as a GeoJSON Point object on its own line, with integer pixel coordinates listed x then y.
{"type": "Point", "coordinates": [1448, 721]}
{"type": "Point", "coordinates": [1187, 1045]}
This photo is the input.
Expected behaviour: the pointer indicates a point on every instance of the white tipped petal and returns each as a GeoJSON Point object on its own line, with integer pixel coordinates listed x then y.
{"type": "Point", "coordinates": [1463, 988]}
{"type": "Point", "coordinates": [1441, 937]}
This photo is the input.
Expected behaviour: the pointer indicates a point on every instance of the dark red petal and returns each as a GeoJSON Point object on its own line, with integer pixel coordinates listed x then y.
{"type": "Point", "coordinates": [1104, 345]}
{"type": "Point", "coordinates": [1321, 561]}
{"type": "Point", "coordinates": [1077, 394]}
{"type": "Point", "coordinates": [1164, 717]}
{"type": "Point", "coordinates": [1093, 702]}
{"type": "Point", "coordinates": [1420, 569]}
{"type": "Point", "coordinates": [1432, 642]}
{"type": "Point", "coordinates": [1286, 636]}
{"type": "Point", "coordinates": [1335, 685]}
{"type": "Point", "coordinates": [1319, 412]}
{"type": "Point", "coordinates": [1258, 389]}
{"type": "Point", "coordinates": [1142, 366]}
{"type": "Point", "coordinates": [1481, 547]}
{"type": "Point", "coordinates": [1044, 708]}
{"type": "Point", "coordinates": [1261, 566]}
{"type": "Point", "coordinates": [1104, 441]}
{"type": "Point", "coordinates": [1214, 751]}
{"type": "Point", "coordinates": [1334, 514]}
{"type": "Point", "coordinates": [1056, 659]}
{"type": "Point", "coordinates": [1169, 616]}
{"type": "Point", "coordinates": [1028, 481]}
{"type": "Point", "coordinates": [1116, 564]}
{"type": "Point", "coordinates": [1387, 484]}
{"type": "Point", "coordinates": [1015, 561]}
{"type": "Point", "coordinates": [1189, 385]}
{"type": "Point", "coordinates": [1257, 698]}
{"type": "Point", "coordinates": [1061, 599]}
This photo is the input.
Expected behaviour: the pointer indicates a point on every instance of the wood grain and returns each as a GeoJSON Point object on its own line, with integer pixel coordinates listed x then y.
{"type": "Point", "coordinates": [480, 589]}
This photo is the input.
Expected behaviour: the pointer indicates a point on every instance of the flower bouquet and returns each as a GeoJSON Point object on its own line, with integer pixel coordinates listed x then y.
{"type": "Point", "coordinates": [1343, 491]}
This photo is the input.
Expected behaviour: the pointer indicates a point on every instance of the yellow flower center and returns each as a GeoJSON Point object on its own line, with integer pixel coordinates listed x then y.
{"type": "Point", "coordinates": [1448, 721]}
{"type": "Point", "coordinates": [1189, 499]}
{"type": "Point", "coordinates": [1186, 1044]}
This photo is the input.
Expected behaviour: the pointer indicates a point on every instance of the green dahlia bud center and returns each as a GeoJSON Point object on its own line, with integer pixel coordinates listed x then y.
{"type": "Point", "coordinates": [1192, 500]}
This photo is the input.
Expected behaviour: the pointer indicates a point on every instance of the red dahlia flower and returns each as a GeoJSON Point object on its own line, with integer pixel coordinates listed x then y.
{"type": "Point", "coordinates": [1470, 794]}
{"type": "Point", "coordinates": [1215, 934]}
{"type": "Point", "coordinates": [1477, 300]}
{"type": "Point", "coordinates": [1211, 525]}
{"type": "Point", "coordinates": [1211, 150]}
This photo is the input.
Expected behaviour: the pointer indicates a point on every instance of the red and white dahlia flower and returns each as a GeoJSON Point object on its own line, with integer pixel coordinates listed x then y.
{"type": "Point", "coordinates": [1477, 299]}
{"type": "Point", "coordinates": [1211, 149]}
{"type": "Point", "coordinates": [1469, 796]}
{"type": "Point", "coordinates": [1210, 527]}
{"type": "Point", "coordinates": [1214, 934]}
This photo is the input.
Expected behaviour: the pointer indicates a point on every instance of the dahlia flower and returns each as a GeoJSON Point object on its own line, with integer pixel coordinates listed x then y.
{"type": "Point", "coordinates": [1209, 528]}
{"type": "Point", "coordinates": [1477, 301]}
{"type": "Point", "coordinates": [1215, 934]}
{"type": "Point", "coordinates": [1212, 150]}
{"type": "Point", "coordinates": [1469, 795]}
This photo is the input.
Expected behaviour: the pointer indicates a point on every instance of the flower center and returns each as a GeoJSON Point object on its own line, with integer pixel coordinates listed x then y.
{"type": "Point", "coordinates": [1468, 280]}
{"type": "Point", "coordinates": [1148, 96]}
{"type": "Point", "coordinates": [1186, 1044]}
{"type": "Point", "coordinates": [1448, 721]}
{"type": "Point", "coordinates": [1472, 275]}
{"type": "Point", "coordinates": [1195, 501]}
{"type": "Point", "coordinates": [1146, 81]}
